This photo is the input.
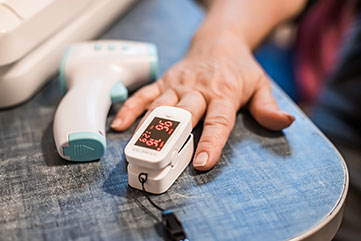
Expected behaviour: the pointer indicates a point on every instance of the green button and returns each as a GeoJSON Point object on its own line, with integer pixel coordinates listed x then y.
{"type": "Point", "coordinates": [152, 49]}
{"type": "Point", "coordinates": [153, 70]}
{"type": "Point", "coordinates": [111, 47]}
{"type": "Point", "coordinates": [125, 47]}
{"type": "Point", "coordinates": [85, 146]}
{"type": "Point", "coordinates": [153, 64]}
{"type": "Point", "coordinates": [118, 93]}
{"type": "Point", "coordinates": [97, 47]}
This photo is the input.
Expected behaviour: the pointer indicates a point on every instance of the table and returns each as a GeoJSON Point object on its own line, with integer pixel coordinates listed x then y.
{"type": "Point", "coordinates": [266, 185]}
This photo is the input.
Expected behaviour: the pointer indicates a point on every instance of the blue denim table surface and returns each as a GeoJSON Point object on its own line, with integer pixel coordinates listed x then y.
{"type": "Point", "coordinates": [266, 185]}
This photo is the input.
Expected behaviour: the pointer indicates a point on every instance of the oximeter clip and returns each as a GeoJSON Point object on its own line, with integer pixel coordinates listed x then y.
{"type": "Point", "coordinates": [162, 147]}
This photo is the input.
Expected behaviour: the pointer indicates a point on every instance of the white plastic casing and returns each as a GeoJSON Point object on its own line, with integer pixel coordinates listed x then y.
{"type": "Point", "coordinates": [164, 166]}
{"type": "Point", "coordinates": [25, 24]}
{"type": "Point", "coordinates": [79, 21]}
{"type": "Point", "coordinates": [91, 71]}
{"type": "Point", "coordinates": [131, 62]}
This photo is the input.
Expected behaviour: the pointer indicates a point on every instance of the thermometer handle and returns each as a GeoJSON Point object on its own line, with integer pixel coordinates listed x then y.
{"type": "Point", "coordinates": [79, 124]}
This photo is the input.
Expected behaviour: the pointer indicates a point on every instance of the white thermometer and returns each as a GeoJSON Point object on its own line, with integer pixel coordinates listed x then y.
{"type": "Point", "coordinates": [162, 148]}
{"type": "Point", "coordinates": [97, 74]}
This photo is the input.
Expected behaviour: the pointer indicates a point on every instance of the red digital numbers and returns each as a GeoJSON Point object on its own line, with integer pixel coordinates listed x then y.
{"type": "Point", "coordinates": [145, 138]}
{"type": "Point", "coordinates": [157, 133]}
{"type": "Point", "coordinates": [163, 125]}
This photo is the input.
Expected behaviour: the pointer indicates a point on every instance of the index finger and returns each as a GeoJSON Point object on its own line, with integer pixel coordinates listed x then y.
{"type": "Point", "coordinates": [218, 124]}
{"type": "Point", "coordinates": [135, 106]}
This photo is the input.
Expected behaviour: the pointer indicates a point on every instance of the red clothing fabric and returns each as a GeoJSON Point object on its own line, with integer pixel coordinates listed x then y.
{"type": "Point", "coordinates": [320, 35]}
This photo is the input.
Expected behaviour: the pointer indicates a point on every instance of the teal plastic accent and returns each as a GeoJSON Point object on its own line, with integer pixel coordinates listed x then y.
{"type": "Point", "coordinates": [85, 146]}
{"type": "Point", "coordinates": [111, 47]}
{"type": "Point", "coordinates": [153, 70]}
{"type": "Point", "coordinates": [62, 80]}
{"type": "Point", "coordinates": [97, 47]}
{"type": "Point", "coordinates": [153, 50]}
{"type": "Point", "coordinates": [125, 47]}
{"type": "Point", "coordinates": [154, 64]}
{"type": "Point", "coordinates": [118, 93]}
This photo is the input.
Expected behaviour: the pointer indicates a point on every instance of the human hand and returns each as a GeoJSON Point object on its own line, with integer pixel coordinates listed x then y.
{"type": "Point", "coordinates": [214, 83]}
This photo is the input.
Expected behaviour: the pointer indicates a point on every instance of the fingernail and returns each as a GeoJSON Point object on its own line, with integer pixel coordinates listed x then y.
{"type": "Point", "coordinates": [290, 117]}
{"type": "Point", "coordinates": [116, 123]}
{"type": "Point", "coordinates": [201, 160]}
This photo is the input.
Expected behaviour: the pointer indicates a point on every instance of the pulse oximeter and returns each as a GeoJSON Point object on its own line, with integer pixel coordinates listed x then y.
{"type": "Point", "coordinates": [162, 148]}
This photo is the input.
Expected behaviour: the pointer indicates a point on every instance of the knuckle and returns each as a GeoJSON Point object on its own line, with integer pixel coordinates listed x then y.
{"type": "Point", "coordinates": [227, 85]}
{"type": "Point", "coordinates": [150, 90]}
{"type": "Point", "coordinates": [171, 74]}
{"type": "Point", "coordinates": [204, 74]}
{"type": "Point", "coordinates": [141, 95]}
{"type": "Point", "coordinates": [196, 95]}
{"type": "Point", "coordinates": [218, 122]}
{"type": "Point", "coordinates": [131, 103]}
{"type": "Point", "coordinates": [173, 92]}
{"type": "Point", "coordinates": [210, 141]}
{"type": "Point", "coordinates": [263, 79]}
{"type": "Point", "coordinates": [155, 104]}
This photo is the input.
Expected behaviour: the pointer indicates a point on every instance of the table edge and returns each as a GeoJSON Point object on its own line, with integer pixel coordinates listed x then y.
{"type": "Point", "coordinates": [326, 229]}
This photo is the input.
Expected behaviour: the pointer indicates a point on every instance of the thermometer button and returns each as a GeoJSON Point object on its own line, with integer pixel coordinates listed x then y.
{"type": "Point", "coordinates": [169, 115]}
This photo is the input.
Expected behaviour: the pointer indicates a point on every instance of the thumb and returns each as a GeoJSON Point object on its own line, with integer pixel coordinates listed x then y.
{"type": "Point", "coordinates": [265, 110]}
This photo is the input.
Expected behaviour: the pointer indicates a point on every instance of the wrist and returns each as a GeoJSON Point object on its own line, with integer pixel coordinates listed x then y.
{"type": "Point", "coordinates": [217, 41]}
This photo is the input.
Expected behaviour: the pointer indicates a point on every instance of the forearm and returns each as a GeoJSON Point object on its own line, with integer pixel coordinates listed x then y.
{"type": "Point", "coordinates": [248, 21]}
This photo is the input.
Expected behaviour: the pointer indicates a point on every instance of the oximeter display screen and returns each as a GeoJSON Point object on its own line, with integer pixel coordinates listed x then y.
{"type": "Point", "coordinates": [157, 133]}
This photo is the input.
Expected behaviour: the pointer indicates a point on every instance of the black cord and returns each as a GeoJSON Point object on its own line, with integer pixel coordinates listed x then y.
{"type": "Point", "coordinates": [145, 209]}
{"type": "Point", "coordinates": [142, 179]}
{"type": "Point", "coordinates": [169, 221]}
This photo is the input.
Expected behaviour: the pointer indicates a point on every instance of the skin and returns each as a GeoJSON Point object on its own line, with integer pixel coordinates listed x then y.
{"type": "Point", "coordinates": [219, 75]}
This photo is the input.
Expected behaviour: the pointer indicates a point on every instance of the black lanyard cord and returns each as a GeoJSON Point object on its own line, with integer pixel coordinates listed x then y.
{"type": "Point", "coordinates": [142, 179]}
{"type": "Point", "coordinates": [170, 221]}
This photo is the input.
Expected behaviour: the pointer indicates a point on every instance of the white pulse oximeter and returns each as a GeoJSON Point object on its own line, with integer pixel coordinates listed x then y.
{"type": "Point", "coordinates": [162, 148]}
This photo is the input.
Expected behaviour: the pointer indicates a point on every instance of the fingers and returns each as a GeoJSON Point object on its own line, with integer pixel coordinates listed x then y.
{"type": "Point", "coordinates": [195, 103]}
{"type": "Point", "coordinates": [191, 101]}
{"type": "Point", "coordinates": [135, 106]}
{"type": "Point", "coordinates": [218, 124]}
{"type": "Point", "coordinates": [169, 98]}
{"type": "Point", "coordinates": [265, 110]}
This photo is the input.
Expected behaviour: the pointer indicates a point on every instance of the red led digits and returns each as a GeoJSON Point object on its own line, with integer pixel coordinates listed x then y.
{"type": "Point", "coordinates": [152, 142]}
{"type": "Point", "coordinates": [157, 133]}
{"type": "Point", "coordinates": [144, 136]}
{"type": "Point", "coordinates": [160, 146]}
{"type": "Point", "coordinates": [163, 125]}
{"type": "Point", "coordinates": [160, 127]}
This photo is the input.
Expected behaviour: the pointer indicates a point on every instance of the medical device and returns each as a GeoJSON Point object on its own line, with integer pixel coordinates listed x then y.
{"type": "Point", "coordinates": [97, 74]}
{"type": "Point", "coordinates": [35, 33]}
{"type": "Point", "coordinates": [160, 149]}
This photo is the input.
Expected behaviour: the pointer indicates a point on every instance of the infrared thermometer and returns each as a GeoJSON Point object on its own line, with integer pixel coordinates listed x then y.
{"type": "Point", "coordinates": [95, 75]}
{"type": "Point", "coordinates": [161, 148]}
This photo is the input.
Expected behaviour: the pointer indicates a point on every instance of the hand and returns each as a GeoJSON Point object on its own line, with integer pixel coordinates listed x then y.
{"type": "Point", "coordinates": [213, 83]}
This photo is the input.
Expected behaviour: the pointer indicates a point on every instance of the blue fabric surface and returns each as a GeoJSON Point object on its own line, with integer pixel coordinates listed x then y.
{"type": "Point", "coordinates": [266, 185]}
